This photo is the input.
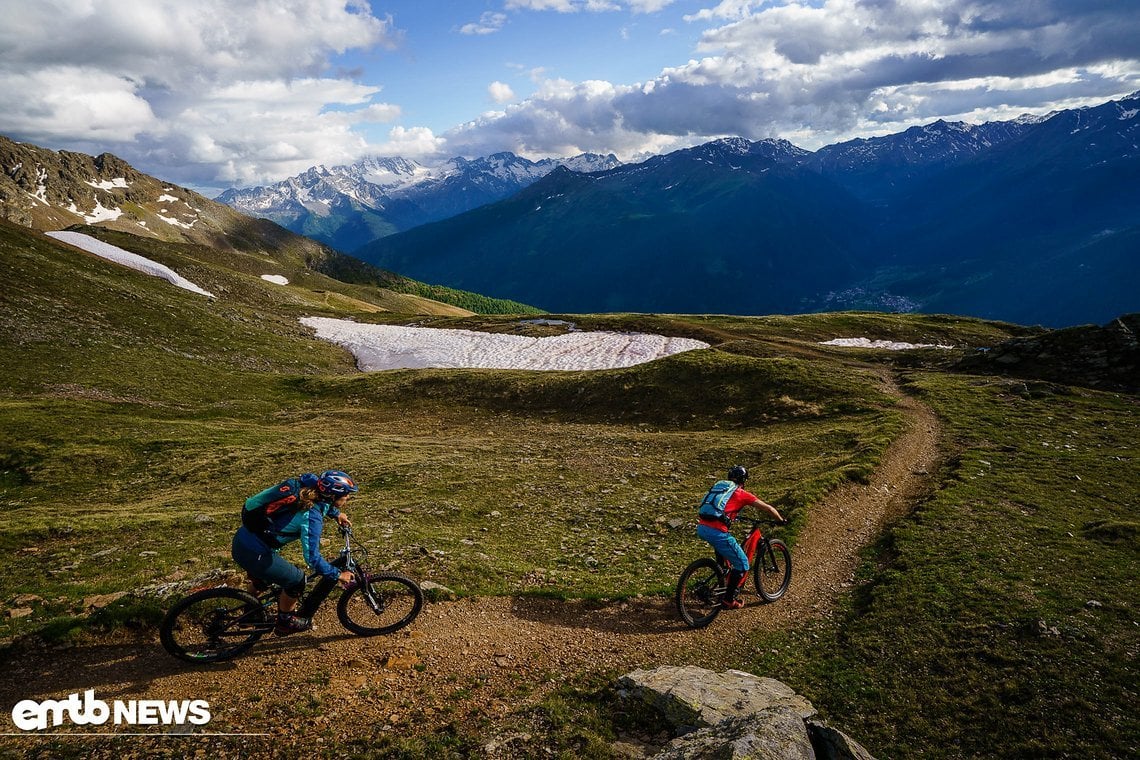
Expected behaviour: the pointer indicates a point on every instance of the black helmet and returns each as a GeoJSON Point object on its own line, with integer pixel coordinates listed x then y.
{"type": "Point", "coordinates": [737, 474]}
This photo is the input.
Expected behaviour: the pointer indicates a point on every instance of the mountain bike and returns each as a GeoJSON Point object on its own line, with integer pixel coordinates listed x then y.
{"type": "Point", "coordinates": [220, 623]}
{"type": "Point", "coordinates": [701, 587]}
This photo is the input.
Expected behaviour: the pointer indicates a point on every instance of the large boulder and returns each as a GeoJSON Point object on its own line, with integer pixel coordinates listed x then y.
{"type": "Point", "coordinates": [776, 733]}
{"type": "Point", "coordinates": [734, 714]}
{"type": "Point", "coordinates": [690, 697]}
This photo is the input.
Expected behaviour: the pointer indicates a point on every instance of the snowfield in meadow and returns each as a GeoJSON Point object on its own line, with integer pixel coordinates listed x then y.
{"type": "Point", "coordinates": [126, 258]}
{"type": "Point", "coordinates": [378, 347]}
{"type": "Point", "coordinates": [889, 345]}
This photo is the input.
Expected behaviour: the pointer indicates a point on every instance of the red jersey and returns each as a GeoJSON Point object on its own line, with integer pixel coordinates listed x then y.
{"type": "Point", "coordinates": [738, 501]}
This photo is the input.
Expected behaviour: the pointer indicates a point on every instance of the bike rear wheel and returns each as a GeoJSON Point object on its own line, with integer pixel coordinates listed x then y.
{"type": "Point", "coordinates": [773, 570]}
{"type": "Point", "coordinates": [213, 625]}
{"type": "Point", "coordinates": [386, 603]}
{"type": "Point", "coordinates": [700, 591]}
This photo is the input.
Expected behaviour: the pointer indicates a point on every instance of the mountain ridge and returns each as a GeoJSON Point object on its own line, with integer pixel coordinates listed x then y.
{"type": "Point", "coordinates": [350, 205]}
{"type": "Point", "coordinates": [1028, 221]}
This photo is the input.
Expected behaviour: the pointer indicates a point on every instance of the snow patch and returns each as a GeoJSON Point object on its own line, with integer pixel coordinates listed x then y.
{"type": "Point", "coordinates": [164, 198]}
{"type": "Point", "coordinates": [100, 214]}
{"type": "Point", "coordinates": [176, 222]}
{"type": "Point", "coordinates": [379, 347]}
{"type": "Point", "coordinates": [127, 259]}
{"type": "Point", "coordinates": [109, 184]}
{"type": "Point", "coordinates": [889, 345]}
{"type": "Point", "coordinates": [41, 186]}
{"type": "Point", "coordinates": [276, 279]}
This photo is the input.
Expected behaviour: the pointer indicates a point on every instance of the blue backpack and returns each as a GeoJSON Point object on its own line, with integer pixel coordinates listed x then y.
{"type": "Point", "coordinates": [265, 513]}
{"type": "Point", "coordinates": [712, 506]}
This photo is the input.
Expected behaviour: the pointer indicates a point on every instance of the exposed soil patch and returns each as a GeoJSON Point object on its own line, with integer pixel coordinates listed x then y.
{"type": "Point", "coordinates": [473, 661]}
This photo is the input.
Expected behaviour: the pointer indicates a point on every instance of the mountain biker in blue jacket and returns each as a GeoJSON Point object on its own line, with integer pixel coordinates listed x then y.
{"type": "Point", "coordinates": [716, 532]}
{"type": "Point", "coordinates": [293, 510]}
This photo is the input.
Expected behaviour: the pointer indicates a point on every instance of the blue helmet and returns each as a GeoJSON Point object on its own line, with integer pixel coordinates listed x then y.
{"type": "Point", "coordinates": [336, 483]}
{"type": "Point", "coordinates": [738, 474]}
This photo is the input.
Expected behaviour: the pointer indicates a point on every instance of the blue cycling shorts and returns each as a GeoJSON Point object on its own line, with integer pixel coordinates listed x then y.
{"type": "Point", "coordinates": [726, 545]}
{"type": "Point", "coordinates": [255, 557]}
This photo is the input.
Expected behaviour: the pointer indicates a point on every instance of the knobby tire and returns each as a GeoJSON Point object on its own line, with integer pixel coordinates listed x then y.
{"type": "Point", "coordinates": [213, 625]}
{"type": "Point", "coordinates": [395, 602]}
{"type": "Point", "coordinates": [773, 570]}
{"type": "Point", "coordinates": [700, 591]}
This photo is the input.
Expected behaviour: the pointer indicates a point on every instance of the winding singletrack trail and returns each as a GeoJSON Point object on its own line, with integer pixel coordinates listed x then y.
{"type": "Point", "coordinates": [473, 660]}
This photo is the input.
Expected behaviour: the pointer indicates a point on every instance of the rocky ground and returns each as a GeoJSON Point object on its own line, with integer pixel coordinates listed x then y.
{"type": "Point", "coordinates": [474, 661]}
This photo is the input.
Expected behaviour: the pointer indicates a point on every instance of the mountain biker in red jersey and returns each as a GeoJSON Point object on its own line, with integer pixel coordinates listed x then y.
{"type": "Point", "coordinates": [304, 502]}
{"type": "Point", "coordinates": [715, 530]}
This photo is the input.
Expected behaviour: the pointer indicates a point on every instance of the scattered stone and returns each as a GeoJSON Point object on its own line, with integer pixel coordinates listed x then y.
{"type": "Point", "coordinates": [100, 601]}
{"type": "Point", "coordinates": [401, 661]}
{"type": "Point", "coordinates": [437, 591]}
{"type": "Point", "coordinates": [19, 612]}
{"type": "Point", "coordinates": [832, 743]}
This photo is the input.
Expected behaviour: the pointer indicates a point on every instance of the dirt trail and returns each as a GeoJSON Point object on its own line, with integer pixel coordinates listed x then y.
{"type": "Point", "coordinates": [473, 659]}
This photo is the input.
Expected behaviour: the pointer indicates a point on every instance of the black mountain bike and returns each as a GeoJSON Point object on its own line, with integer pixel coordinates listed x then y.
{"type": "Point", "coordinates": [221, 623]}
{"type": "Point", "coordinates": [701, 587]}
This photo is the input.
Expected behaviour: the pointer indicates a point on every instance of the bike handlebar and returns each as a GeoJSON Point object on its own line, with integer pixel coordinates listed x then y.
{"type": "Point", "coordinates": [754, 521]}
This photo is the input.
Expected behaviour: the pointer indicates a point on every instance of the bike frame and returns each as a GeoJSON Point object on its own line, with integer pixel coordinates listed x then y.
{"type": "Point", "coordinates": [316, 594]}
{"type": "Point", "coordinates": [750, 546]}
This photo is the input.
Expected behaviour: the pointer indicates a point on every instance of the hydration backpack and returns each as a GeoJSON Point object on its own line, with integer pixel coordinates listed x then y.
{"type": "Point", "coordinates": [717, 499]}
{"type": "Point", "coordinates": [265, 513]}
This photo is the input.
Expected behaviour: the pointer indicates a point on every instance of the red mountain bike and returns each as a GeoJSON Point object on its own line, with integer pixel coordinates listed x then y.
{"type": "Point", "coordinates": [701, 588]}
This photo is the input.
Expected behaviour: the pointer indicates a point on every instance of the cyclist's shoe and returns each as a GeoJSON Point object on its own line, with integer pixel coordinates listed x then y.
{"type": "Point", "coordinates": [288, 623]}
{"type": "Point", "coordinates": [734, 603]}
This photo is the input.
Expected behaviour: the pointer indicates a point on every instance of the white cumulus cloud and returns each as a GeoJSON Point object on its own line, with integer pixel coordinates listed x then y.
{"type": "Point", "coordinates": [500, 92]}
{"type": "Point", "coordinates": [233, 92]}
{"type": "Point", "coordinates": [826, 71]}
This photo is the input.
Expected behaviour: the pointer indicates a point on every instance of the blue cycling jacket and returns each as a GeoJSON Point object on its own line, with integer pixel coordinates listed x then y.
{"type": "Point", "coordinates": [306, 527]}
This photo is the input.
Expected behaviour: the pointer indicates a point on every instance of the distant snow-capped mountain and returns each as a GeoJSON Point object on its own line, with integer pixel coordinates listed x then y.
{"type": "Point", "coordinates": [349, 206]}
{"type": "Point", "coordinates": [875, 168]}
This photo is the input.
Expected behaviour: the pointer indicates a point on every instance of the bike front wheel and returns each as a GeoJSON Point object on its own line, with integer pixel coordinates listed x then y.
{"type": "Point", "coordinates": [773, 570]}
{"type": "Point", "coordinates": [700, 591]}
{"type": "Point", "coordinates": [386, 603]}
{"type": "Point", "coordinates": [213, 625]}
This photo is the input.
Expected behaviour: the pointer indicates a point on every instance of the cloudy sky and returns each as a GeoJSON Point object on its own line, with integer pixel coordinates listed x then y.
{"type": "Point", "coordinates": [214, 93]}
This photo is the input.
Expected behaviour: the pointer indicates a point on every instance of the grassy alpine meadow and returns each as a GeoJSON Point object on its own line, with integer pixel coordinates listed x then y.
{"type": "Point", "coordinates": [487, 482]}
{"type": "Point", "coordinates": [996, 619]}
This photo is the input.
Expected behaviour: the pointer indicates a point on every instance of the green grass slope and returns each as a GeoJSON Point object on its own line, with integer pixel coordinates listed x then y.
{"type": "Point", "coordinates": [999, 619]}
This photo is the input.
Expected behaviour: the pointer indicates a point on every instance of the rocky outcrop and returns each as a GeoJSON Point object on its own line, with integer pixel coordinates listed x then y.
{"type": "Point", "coordinates": [736, 715]}
{"type": "Point", "coordinates": [1105, 358]}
